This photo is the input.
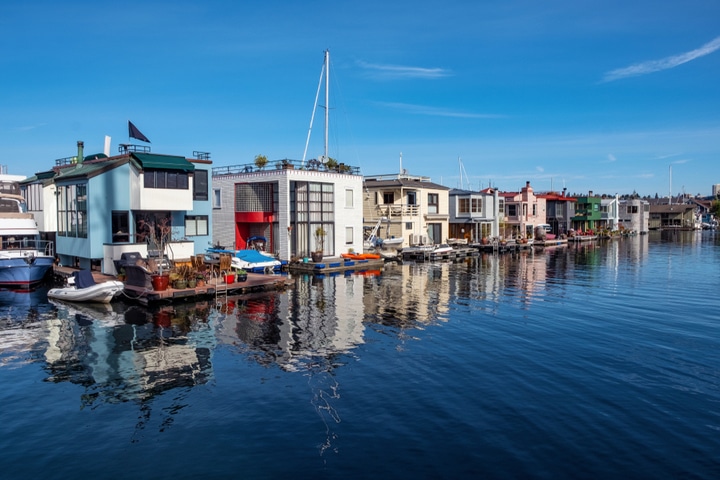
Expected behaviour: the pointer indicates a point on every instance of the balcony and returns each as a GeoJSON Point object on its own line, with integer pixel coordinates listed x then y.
{"type": "Point", "coordinates": [395, 210]}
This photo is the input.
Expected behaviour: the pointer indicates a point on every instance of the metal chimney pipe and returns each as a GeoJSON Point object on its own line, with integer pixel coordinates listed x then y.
{"type": "Point", "coordinates": [80, 154]}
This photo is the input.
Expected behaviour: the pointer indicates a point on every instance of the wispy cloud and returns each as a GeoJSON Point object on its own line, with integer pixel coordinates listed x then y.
{"type": "Point", "coordinates": [611, 158]}
{"type": "Point", "coordinates": [27, 128]}
{"type": "Point", "coordinates": [402, 71]}
{"type": "Point", "coordinates": [435, 111]}
{"type": "Point", "coordinates": [666, 63]}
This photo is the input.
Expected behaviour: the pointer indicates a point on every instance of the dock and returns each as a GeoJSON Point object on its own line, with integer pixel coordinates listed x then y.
{"type": "Point", "coordinates": [427, 255]}
{"type": "Point", "coordinates": [335, 265]}
{"type": "Point", "coordinates": [551, 243]}
{"type": "Point", "coordinates": [63, 273]}
{"type": "Point", "coordinates": [255, 282]}
{"type": "Point", "coordinates": [504, 246]}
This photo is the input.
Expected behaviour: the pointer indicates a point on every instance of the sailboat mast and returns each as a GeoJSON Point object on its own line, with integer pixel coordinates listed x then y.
{"type": "Point", "coordinates": [327, 99]}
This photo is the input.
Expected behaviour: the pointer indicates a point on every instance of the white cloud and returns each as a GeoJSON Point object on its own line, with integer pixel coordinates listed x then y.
{"type": "Point", "coordinates": [435, 111]}
{"type": "Point", "coordinates": [666, 63]}
{"type": "Point", "coordinates": [611, 158]}
{"type": "Point", "coordinates": [401, 71]}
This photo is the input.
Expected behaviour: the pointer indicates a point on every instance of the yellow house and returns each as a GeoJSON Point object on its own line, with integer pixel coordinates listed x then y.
{"type": "Point", "coordinates": [406, 206]}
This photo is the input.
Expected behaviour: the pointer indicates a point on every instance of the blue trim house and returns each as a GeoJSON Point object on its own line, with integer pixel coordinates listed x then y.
{"type": "Point", "coordinates": [110, 205]}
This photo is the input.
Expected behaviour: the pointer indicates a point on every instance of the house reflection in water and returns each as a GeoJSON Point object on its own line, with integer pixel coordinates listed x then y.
{"type": "Point", "coordinates": [317, 318]}
{"type": "Point", "coordinates": [131, 355]}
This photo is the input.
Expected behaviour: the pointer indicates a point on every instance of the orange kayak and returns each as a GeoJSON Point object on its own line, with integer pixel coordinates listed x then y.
{"type": "Point", "coordinates": [360, 256]}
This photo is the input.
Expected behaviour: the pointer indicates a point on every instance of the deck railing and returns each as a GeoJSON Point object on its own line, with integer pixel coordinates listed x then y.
{"type": "Point", "coordinates": [397, 210]}
{"type": "Point", "coordinates": [27, 245]}
{"type": "Point", "coordinates": [286, 164]}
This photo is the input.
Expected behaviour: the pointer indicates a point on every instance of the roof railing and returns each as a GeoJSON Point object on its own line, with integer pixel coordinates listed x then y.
{"type": "Point", "coordinates": [127, 148]}
{"type": "Point", "coordinates": [287, 164]}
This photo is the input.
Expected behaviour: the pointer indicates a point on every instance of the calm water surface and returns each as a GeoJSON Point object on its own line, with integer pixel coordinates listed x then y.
{"type": "Point", "coordinates": [589, 361]}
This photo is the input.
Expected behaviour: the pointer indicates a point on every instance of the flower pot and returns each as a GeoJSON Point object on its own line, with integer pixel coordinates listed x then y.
{"type": "Point", "coordinates": [160, 282]}
{"type": "Point", "coordinates": [316, 256]}
{"type": "Point", "coordinates": [180, 284]}
{"type": "Point", "coordinates": [242, 277]}
{"type": "Point", "coordinates": [230, 278]}
{"type": "Point", "coordinates": [192, 283]}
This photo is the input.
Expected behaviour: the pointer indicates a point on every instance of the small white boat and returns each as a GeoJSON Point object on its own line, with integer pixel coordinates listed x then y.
{"type": "Point", "coordinates": [441, 248]}
{"type": "Point", "coordinates": [82, 288]}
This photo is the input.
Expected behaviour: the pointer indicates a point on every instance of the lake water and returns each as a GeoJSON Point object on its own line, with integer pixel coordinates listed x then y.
{"type": "Point", "coordinates": [588, 361]}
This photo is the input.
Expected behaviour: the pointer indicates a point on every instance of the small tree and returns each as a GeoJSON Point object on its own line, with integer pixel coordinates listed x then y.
{"type": "Point", "coordinates": [331, 163]}
{"type": "Point", "coordinates": [320, 239]}
{"type": "Point", "coordinates": [260, 161]}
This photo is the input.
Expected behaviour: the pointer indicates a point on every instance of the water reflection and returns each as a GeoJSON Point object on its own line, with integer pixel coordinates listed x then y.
{"type": "Point", "coordinates": [122, 353]}
{"type": "Point", "coordinates": [126, 352]}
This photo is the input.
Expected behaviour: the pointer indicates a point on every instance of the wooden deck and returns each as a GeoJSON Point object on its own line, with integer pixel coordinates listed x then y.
{"type": "Point", "coordinates": [62, 273]}
{"type": "Point", "coordinates": [551, 243]}
{"type": "Point", "coordinates": [254, 282]}
{"type": "Point", "coordinates": [336, 264]}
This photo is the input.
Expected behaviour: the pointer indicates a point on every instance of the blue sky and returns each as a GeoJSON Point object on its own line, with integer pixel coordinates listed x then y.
{"type": "Point", "coordinates": [609, 96]}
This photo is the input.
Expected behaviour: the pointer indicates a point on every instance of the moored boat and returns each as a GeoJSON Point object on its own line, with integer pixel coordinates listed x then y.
{"type": "Point", "coordinates": [24, 258]}
{"type": "Point", "coordinates": [83, 288]}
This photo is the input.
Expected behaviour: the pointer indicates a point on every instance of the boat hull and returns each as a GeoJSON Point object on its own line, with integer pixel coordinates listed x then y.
{"type": "Point", "coordinates": [99, 293]}
{"type": "Point", "coordinates": [23, 272]}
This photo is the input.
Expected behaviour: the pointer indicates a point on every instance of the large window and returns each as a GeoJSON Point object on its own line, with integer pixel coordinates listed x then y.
{"type": "Point", "coordinates": [433, 203]}
{"type": "Point", "coordinates": [477, 205]}
{"type": "Point", "coordinates": [254, 197]}
{"type": "Point", "coordinates": [348, 235]}
{"type": "Point", "coordinates": [120, 227]}
{"type": "Point", "coordinates": [200, 185]}
{"type": "Point", "coordinates": [511, 210]}
{"type": "Point", "coordinates": [172, 179]}
{"type": "Point", "coordinates": [349, 203]}
{"type": "Point", "coordinates": [312, 206]}
{"type": "Point", "coordinates": [196, 225]}
{"type": "Point", "coordinates": [463, 205]}
{"type": "Point", "coordinates": [72, 211]}
{"type": "Point", "coordinates": [469, 205]}
{"type": "Point", "coordinates": [388, 198]}
{"type": "Point", "coordinates": [33, 197]}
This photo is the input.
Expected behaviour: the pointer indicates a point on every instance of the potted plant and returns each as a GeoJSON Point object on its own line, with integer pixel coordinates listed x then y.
{"type": "Point", "coordinates": [317, 255]}
{"type": "Point", "coordinates": [331, 163]}
{"type": "Point", "coordinates": [158, 237]}
{"type": "Point", "coordinates": [184, 273]}
{"type": "Point", "coordinates": [260, 161]}
{"type": "Point", "coordinates": [240, 275]}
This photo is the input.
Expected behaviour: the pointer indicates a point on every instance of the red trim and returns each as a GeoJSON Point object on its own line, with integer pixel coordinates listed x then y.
{"type": "Point", "coordinates": [254, 217]}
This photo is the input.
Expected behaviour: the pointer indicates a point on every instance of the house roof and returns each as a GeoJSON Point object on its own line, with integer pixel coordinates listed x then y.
{"type": "Point", "coordinates": [90, 168]}
{"type": "Point", "coordinates": [164, 162]}
{"type": "Point", "coordinates": [676, 208]}
{"type": "Point", "coordinates": [403, 182]}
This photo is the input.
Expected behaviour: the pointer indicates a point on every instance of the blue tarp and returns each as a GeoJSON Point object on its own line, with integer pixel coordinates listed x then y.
{"type": "Point", "coordinates": [84, 279]}
{"type": "Point", "coordinates": [253, 256]}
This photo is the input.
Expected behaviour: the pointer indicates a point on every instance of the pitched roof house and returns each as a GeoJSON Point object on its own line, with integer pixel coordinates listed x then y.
{"type": "Point", "coordinates": [523, 212]}
{"type": "Point", "coordinates": [406, 206]}
{"type": "Point", "coordinates": [109, 205]}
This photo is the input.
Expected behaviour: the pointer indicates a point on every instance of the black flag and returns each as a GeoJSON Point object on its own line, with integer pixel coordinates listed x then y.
{"type": "Point", "coordinates": [133, 132]}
